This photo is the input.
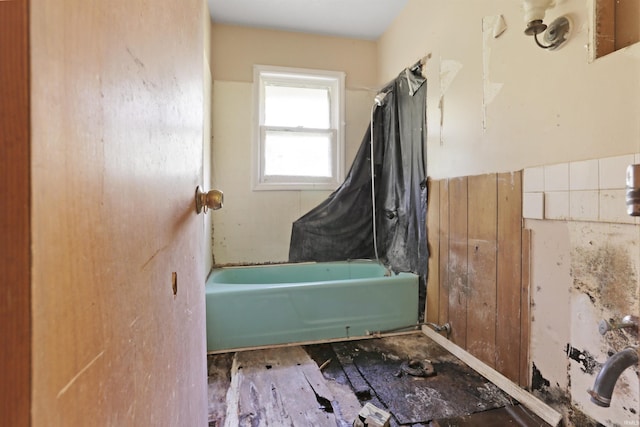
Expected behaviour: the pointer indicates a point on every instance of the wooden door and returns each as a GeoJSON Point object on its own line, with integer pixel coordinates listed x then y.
{"type": "Point", "coordinates": [15, 313]}
{"type": "Point", "coordinates": [117, 286]}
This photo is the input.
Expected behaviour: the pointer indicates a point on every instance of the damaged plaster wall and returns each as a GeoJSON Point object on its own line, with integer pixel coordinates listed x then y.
{"type": "Point", "coordinates": [605, 265]}
{"type": "Point", "coordinates": [512, 104]}
{"type": "Point", "coordinates": [509, 105]}
{"type": "Point", "coordinates": [583, 272]}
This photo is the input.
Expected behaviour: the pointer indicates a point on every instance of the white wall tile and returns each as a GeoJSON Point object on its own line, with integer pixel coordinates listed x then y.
{"type": "Point", "coordinates": [556, 177]}
{"type": "Point", "coordinates": [556, 205]}
{"type": "Point", "coordinates": [591, 190]}
{"type": "Point", "coordinates": [583, 205]}
{"type": "Point", "coordinates": [533, 205]}
{"type": "Point", "coordinates": [533, 179]}
{"type": "Point", "coordinates": [612, 171]}
{"type": "Point", "coordinates": [583, 175]}
{"type": "Point", "coordinates": [613, 207]}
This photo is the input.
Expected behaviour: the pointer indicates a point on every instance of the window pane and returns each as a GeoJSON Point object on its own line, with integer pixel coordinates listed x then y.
{"type": "Point", "coordinates": [297, 154]}
{"type": "Point", "coordinates": [296, 106]}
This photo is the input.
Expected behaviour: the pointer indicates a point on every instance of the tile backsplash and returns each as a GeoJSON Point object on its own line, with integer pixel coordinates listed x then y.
{"type": "Point", "coordinates": [591, 190]}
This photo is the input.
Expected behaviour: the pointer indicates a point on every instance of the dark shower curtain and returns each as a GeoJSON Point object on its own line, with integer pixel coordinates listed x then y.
{"type": "Point", "coordinates": [340, 228]}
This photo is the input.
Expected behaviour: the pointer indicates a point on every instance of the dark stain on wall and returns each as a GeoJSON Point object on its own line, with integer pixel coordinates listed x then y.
{"type": "Point", "coordinates": [538, 382]}
{"type": "Point", "coordinates": [584, 358]}
{"type": "Point", "coordinates": [605, 273]}
{"type": "Point", "coordinates": [579, 419]}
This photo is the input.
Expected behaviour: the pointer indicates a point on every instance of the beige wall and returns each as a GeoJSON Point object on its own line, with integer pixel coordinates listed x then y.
{"type": "Point", "coordinates": [503, 104]}
{"type": "Point", "coordinates": [255, 226]}
{"type": "Point", "coordinates": [235, 50]}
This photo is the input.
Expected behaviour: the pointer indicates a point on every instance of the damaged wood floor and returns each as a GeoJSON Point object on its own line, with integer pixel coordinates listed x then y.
{"type": "Point", "coordinates": [328, 384]}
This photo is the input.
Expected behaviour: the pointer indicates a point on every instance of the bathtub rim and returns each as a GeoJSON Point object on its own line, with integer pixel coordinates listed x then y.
{"type": "Point", "coordinates": [216, 270]}
{"type": "Point", "coordinates": [218, 267]}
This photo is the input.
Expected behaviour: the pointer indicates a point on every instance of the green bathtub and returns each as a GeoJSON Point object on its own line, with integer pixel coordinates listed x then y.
{"type": "Point", "coordinates": [307, 302]}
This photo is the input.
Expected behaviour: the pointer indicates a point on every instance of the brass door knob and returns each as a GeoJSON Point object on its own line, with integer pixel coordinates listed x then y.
{"type": "Point", "coordinates": [210, 200]}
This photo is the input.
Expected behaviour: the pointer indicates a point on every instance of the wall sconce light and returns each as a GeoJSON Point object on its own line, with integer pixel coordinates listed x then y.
{"type": "Point", "coordinates": [555, 35]}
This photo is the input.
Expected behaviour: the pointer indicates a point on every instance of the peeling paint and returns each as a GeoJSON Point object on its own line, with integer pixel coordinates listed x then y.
{"type": "Point", "coordinates": [489, 89]}
{"type": "Point", "coordinates": [499, 27]}
{"type": "Point", "coordinates": [584, 358]}
{"type": "Point", "coordinates": [449, 69]}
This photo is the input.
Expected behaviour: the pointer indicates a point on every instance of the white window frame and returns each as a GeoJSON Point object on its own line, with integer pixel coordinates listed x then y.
{"type": "Point", "coordinates": [334, 81]}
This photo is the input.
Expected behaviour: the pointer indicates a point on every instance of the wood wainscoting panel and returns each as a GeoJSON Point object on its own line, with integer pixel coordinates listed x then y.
{"type": "Point", "coordinates": [443, 251]}
{"type": "Point", "coordinates": [481, 247]}
{"type": "Point", "coordinates": [525, 310]}
{"type": "Point", "coordinates": [481, 268]}
{"type": "Point", "coordinates": [509, 273]}
{"type": "Point", "coordinates": [458, 278]}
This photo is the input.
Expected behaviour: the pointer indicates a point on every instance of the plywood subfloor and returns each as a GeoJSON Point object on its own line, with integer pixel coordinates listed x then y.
{"type": "Point", "coordinates": [327, 385]}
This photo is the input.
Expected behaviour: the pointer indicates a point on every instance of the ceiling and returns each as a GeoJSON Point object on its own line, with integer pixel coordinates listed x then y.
{"type": "Point", "coordinates": [360, 19]}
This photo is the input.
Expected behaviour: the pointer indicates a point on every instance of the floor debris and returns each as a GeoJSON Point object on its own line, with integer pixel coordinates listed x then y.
{"type": "Point", "coordinates": [410, 377]}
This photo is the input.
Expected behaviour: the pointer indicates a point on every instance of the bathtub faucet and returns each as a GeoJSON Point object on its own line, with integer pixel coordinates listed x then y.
{"type": "Point", "coordinates": [608, 375]}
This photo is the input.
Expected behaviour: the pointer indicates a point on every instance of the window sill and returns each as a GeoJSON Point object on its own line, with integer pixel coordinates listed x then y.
{"type": "Point", "coordinates": [295, 186]}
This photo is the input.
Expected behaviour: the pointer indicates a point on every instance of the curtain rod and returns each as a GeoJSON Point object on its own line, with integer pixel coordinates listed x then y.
{"type": "Point", "coordinates": [421, 62]}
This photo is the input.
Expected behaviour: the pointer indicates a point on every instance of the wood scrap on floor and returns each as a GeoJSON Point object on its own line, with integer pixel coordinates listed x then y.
{"type": "Point", "coordinates": [280, 387]}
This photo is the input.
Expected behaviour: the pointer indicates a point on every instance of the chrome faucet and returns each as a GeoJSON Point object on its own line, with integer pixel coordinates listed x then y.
{"type": "Point", "coordinates": [627, 322]}
{"type": "Point", "coordinates": [609, 374]}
